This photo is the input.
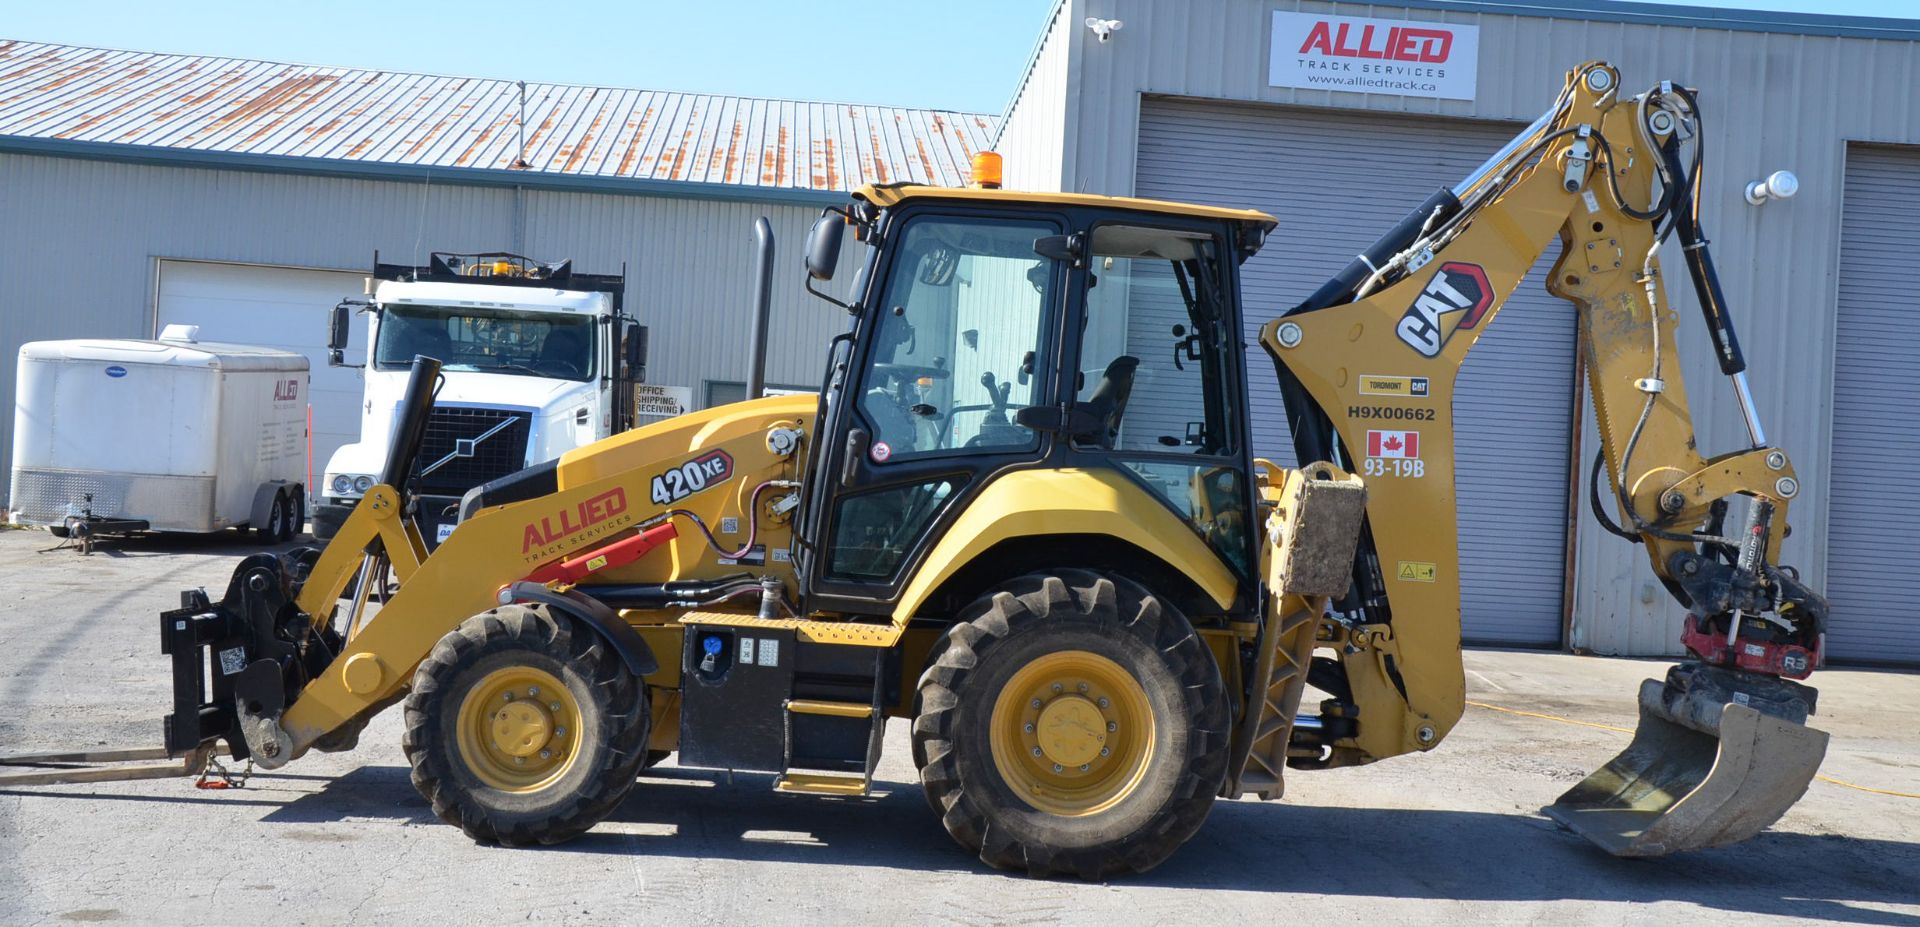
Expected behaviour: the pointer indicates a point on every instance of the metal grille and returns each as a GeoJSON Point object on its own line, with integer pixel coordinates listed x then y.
{"type": "Point", "coordinates": [41, 496]}
{"type": "Point", "coordinates": [454, 457]}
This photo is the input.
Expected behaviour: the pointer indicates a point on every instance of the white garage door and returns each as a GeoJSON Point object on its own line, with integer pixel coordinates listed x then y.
{"type": "Point", "coordinates": [1876, 438]}
{"type": "Point", "coordinates": [277, 307]}
{"type": "Point", "coordinates": [1336, 181]}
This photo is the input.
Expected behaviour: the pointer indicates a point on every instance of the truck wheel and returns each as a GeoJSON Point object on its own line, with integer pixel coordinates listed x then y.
{"type": "Point", "coordinates": [1073, 724]}
{"type": "Point", "coordinates": [523, 727]}
{"type": "Point", "coordinates": [274, 531]}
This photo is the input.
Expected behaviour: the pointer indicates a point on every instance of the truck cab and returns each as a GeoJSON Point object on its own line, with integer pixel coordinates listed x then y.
{"type": "Point", "coordinates": [537, 360]}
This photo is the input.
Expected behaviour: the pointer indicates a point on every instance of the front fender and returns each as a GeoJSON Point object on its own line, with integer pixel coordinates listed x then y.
{"type": "Point", "coordinates": [1032, 503]}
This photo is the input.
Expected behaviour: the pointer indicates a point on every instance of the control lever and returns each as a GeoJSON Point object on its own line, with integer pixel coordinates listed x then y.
{"type": "Point", "coordinates": [1188, 347]}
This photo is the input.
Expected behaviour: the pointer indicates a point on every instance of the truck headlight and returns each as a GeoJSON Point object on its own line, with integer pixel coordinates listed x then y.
{"type": "Point", "coordinates": [348, 484]}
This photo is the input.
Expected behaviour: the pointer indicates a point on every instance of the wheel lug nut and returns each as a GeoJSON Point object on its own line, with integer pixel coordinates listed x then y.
{"type": "Point", "coordinates": [546, 754]}
{"type": "Point", "coordinates": [559, 732]}
{"type": "Point", "coordinates": [533, 691]}
{"type": "Point", "coordinates": [520, 759]}
{"type": "Point", "coordinates": [1029, 728]}
{"type": "Point", "coordinates": [1112, 726]}
{"type": "Point", "coordinates": [1083, 687]}
{"type": "Point", "coordinates": [1036, 751]}
{"type": "Point", "coordinates": [1057, 767]}
{"type": "Point", "coordinates": [1057, 687]}
{"type": "Point", "coordinates": [1103, 752]}
{"type": "Point", "coordinates": [1102, 701]}
{"type": "Point", "coordinates": [1085, 766]}
{"type": "Point", "coordinates": [555, 706]}
{"type": "Point", "coordinates": [1036, 703]}
{"type": "Point", "coordinates": [507, 695]}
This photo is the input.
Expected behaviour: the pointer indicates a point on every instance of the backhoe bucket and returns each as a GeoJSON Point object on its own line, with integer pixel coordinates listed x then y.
{"type": "Point", "coordinates": [1700, 772]}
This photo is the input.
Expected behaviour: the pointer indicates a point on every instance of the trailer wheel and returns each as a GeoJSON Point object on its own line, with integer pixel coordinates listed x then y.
{"type": "Point", "coordinates": [1073, 724]}
{"type": "Point", "coordinates": [296, 511]}
{"type": "Point", "coordinates": [274, 531]}
{"type": "Point", "coordinates": [524, 727]}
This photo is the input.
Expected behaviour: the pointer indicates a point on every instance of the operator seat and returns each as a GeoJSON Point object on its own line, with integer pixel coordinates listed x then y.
{"type": "Point", "coordinates": [560, 351]}
{"type": "Point", "coordinates": [1109, 401]}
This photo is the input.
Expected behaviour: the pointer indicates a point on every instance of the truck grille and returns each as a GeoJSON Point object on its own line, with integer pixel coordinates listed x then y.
{"type": "Point", "coordinates": [464, 462]}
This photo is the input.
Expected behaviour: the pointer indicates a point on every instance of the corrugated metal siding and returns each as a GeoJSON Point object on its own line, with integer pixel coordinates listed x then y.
{"type": "Point", "coordinates": [70, 93]}
{"type": "Point", "coordinates": [96, 229]}
{"type": "Point", "coordinates": [1771, 100]}
{"type": "Point", "coordinates": [1513, 400]}
{"type": "Point", "coordinates": [1875, 434]}
{"type": "Point", "coordinates": [1029, 139]}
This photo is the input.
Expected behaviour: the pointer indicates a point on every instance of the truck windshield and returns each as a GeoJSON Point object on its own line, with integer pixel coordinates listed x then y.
{"type": "Point", "coordinates": [528, 344]}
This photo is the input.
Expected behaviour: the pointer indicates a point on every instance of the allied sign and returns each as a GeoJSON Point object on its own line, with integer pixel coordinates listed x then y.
{"type": "Point", "coordinates": [661, 400]}
{"type": "Point", "coordinates": [1316, 51]}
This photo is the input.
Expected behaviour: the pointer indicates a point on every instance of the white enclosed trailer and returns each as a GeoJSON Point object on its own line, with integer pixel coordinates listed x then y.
{"type": "Point", "coordinates": [114, 435]}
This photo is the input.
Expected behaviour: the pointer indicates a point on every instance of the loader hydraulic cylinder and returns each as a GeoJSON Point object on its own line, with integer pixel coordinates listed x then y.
{"type": "Point", "coordinates": [410, 426]}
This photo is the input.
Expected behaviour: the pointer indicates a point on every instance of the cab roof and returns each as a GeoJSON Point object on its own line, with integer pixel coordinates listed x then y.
{"type": "Point", "coordinates": [889, 195]}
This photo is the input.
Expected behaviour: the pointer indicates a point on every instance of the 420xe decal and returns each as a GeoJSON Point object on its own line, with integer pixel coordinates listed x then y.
{"type": "Point", "coordinates": [688, 478]}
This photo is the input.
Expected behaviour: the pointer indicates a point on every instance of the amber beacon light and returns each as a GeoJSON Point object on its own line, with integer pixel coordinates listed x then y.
{"type": "Point", "coordinates": [986, 170]}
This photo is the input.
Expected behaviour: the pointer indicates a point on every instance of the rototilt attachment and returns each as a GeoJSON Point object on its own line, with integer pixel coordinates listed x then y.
{"type": "Point", "coordinates": [1719, 755]}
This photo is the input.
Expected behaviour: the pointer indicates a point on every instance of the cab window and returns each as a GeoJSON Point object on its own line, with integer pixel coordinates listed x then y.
{"type": "Point", "coordinates": [960, 325]}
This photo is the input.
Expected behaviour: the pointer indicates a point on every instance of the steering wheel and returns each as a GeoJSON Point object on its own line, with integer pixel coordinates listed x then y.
{"type": "Point", "coordinates": [912, 371]}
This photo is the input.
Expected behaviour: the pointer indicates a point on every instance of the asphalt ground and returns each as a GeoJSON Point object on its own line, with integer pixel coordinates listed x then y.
{"type": "Point", "coordinates": [1453, 836]}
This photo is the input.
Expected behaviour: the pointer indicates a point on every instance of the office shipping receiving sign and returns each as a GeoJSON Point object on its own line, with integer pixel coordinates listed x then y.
{"type": "Point", "coordinates": [1320, 52]}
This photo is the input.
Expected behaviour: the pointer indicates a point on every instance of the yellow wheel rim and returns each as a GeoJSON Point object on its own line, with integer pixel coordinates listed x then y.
{"type": "Point", "coordinates": [518, 729]}
{"type": "Point", "coordinates": [1072, 733]}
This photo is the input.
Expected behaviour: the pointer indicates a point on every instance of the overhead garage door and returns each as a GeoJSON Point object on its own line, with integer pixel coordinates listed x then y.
{"type": "Point", "coordinates": [277, 307]}
{"type": "Point", "coordinates": [1336, 181]}
{"type": "Point", "coordinates": [1871, 556]}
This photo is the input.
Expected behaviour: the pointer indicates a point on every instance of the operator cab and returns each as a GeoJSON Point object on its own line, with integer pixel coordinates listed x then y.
{"type": "Point", "coordinates": [996, 331]}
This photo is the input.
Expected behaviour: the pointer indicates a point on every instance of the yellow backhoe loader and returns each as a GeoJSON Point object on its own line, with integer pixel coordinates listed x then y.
{"type": "Point", "coordinates": [1023, 513]}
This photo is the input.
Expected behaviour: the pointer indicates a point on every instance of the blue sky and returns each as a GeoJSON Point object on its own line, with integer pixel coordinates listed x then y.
{"type": "Point", "coordinates": [963, 55]}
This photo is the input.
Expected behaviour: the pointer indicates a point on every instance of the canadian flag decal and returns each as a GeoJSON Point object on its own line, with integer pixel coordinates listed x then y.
{"type": "Point", "coordinates": [1403, 444]}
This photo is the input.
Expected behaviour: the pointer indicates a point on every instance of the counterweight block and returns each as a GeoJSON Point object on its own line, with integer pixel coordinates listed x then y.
{"type": "Point", "coordinates": [1702, 770]}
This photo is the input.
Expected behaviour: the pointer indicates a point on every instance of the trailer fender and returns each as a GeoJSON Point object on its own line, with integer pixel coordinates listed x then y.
{"type": "Point", "coordinates": [263, 502]}
{"type": "Point", "coordinates": [619, 635]}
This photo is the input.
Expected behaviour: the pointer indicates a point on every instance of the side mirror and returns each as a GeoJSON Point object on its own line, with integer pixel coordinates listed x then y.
{"type": "Point", "coordinates": [823, 246]}
{"type": "Point", "coordinates": [337, 335]}
{"type": "Point", "coordinates": [634, 345]}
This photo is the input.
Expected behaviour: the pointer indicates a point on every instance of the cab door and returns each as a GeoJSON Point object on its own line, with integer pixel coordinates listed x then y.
{"type": "Point", "coordinates": [960, 331]}
{"type": "Point", "coordinates": [1159, 372]}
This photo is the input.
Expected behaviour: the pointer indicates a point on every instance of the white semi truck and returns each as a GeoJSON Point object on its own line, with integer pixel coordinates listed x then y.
{"type": "Point", "coordinates": [537, 359]}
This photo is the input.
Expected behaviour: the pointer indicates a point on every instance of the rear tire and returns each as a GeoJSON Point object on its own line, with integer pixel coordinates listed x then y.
{"type": "Point", "coordinates": [492, 754]}
{"type": "Point", "coordinates": [1095, 651]}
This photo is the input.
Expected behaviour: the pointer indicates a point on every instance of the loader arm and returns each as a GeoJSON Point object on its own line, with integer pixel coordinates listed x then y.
{"type": "Point", "coordinates": [1611, 177]}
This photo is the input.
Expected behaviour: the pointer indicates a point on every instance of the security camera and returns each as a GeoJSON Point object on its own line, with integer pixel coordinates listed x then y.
{"type": "Point", "coordinates": [1103, 29]}
{"type": "Point", "coordinates": [1778, 185]}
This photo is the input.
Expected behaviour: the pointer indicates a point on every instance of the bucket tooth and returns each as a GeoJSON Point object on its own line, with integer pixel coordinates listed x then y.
{"type": "Point", "coordinates": [1679, 787]}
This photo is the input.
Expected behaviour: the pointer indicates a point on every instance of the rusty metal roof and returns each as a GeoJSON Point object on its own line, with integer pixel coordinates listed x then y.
{"type": "Point", "coordinates": [191, 103]}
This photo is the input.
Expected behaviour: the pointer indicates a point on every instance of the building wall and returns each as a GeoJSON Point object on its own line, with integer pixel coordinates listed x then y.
{"type": "Point", "coordinates": [1030, 138]}
{"type": "Point", "coordinates": [1771, 99]}
{"type": "Point", "coordinates": [83, 238]}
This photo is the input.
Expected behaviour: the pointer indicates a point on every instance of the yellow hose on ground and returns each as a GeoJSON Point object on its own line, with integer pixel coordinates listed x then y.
{"type": "Point", "coordinates": [1608, 727]}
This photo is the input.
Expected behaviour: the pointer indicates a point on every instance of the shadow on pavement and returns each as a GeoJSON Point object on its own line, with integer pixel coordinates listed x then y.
{"type": "Point", "coordinates": [1244, 846]}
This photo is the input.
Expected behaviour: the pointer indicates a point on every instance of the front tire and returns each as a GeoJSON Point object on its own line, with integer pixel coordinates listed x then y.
{"type": "Point", "coordinates": [1073, 723]}
{"type": "Point", "coordinates": [524, 727]}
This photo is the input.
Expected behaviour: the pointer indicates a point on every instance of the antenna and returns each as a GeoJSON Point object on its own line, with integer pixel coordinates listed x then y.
{"type": "Point", "coordinates": [520, 161]}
